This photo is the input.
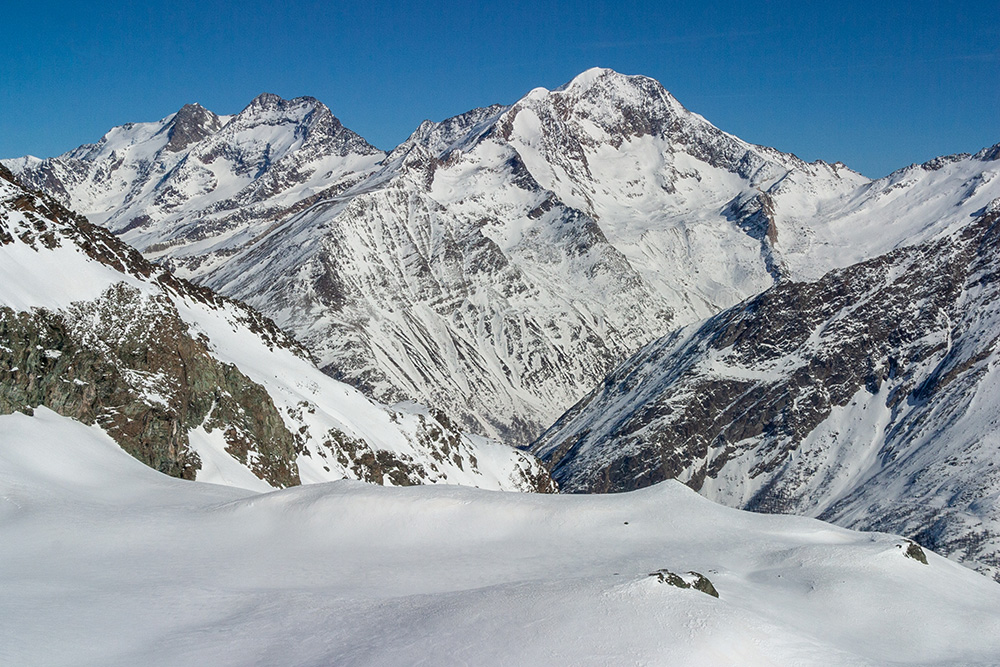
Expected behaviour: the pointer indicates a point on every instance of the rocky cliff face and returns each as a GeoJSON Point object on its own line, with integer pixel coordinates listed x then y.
{"type": "Point", "coordinates": [92, 330]}
{"type": "Point", "coordinates": [128, 363]}
{"type": "Point", "coordinates": [867, 398]}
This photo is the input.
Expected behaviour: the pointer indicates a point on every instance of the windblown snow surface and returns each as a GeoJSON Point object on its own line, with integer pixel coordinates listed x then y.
{"type": "Point", "coordinates": [104, 561]}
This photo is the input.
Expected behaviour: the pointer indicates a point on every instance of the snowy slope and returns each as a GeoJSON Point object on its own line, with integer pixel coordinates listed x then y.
{"type": "Point", "coordinates": [819, 228]}
{"type": "Point", "coordinates": [469, 308]}
{"type": "Point", "coordinates": [105, 562]}
{"type": "Point", "coordinates": [497, 264]}
{"type": "Point", "coordinates": [868, 398]}
{"type": "Point", "coordinates": [194, 384]}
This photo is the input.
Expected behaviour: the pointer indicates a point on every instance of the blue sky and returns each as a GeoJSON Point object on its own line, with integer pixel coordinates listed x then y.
{"type": "Point", "coordinates": [877, 85]}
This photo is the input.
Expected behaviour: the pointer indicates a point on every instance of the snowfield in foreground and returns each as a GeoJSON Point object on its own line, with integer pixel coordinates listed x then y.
{"type": "Point", "coordinates": [104, 561]}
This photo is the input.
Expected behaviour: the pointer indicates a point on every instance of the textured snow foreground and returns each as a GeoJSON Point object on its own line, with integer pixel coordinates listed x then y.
{"type": "Point", "coordinates": [104, 561]}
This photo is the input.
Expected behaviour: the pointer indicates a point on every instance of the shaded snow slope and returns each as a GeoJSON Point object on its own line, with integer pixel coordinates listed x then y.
{"type": "Point", "coordinates": [155, 571]}
{"type": "Point", "coordinates": [868, 398]}
{"type": "Point", "coordinates": [195, 384]}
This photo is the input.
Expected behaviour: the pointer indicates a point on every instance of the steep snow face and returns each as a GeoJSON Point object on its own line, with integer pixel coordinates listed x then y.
{"type": "Point", "coordinates": [499, 263]}
{"type": "Point", "coordinates": [660, 181]}
{"type": "Point", "coordinates": [465, 274]}
{"type": "Point", "coordinates": [350, 574]}
{"type": "Point", "coordinates": [493, 305]}
{"type": "Point", "coordinates": [868, 398]}
{"type": "Point", "coordinates": [195, 384]}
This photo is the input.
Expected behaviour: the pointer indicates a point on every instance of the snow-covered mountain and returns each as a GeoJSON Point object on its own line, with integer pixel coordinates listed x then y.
{"type": "Point", "coordinates": [869, 397]}
{"type": "Point", "coordinates": [499, 263]}
{"type": "Point", "coordinates": [496, 264]}
{"type": "Point", "coordinates": [802, 339]}
{"type": "Point", "coordinates": [154, 571]}
{"type": "Point", "coordinates": [196, 177]}
{"type": "Point", "coordinates": [196, 385]}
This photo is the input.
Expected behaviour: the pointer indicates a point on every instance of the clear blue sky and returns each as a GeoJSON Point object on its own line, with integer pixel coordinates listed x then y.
{"type": "Point", "coordinates": [875, 84]}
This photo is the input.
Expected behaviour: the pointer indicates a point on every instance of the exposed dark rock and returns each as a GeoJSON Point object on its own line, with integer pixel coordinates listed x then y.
{"type": "Point", "coordinates": [128, 363]}
{"type": "Point", "coordinates": [191, 124]}
{"type": "Point", "coordinates": [914, 551]}
{"type": "Point", "coordinates": [735, 403]}
{"type": "Point", "coordinates": [989, 154]}
{"type": "Point", "coordinates": [699, 582]}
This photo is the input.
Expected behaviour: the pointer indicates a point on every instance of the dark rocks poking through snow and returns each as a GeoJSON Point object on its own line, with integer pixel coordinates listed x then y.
{"type": "Point", "coordinates": [695, 580]}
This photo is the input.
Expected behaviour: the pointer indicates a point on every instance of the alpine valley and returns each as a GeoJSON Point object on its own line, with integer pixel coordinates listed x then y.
{"type": "Point", "coordinates": [591, 290]}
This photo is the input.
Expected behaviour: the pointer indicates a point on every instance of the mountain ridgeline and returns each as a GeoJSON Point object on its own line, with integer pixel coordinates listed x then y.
{"type": "Point", "coordinates": [496, 264]}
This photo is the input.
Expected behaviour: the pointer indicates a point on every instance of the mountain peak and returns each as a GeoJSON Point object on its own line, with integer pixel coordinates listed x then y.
{"type": "Point", "coordinates": [266, 101]}
{"type": "Point", "coordinates": [270, 101]}
{"type": "Point", "coordinates": [600, 92]}
{"type": "Point", "coordinates": [191, 124]}
{"type": "Point", "coordinates": [268, 109]}
{"type": "Point", "coordinates": [613, 83]}
{"type": "Point", "coordinates": [597, 78]}
{"type": "Point", "coordinates": [601, 105]}
{"type": "Point", "coordinates": [588, 78]}
{"type": "Point", "coordinates": [989, 154]}
{"type": "Point", "coordinates": [438, 137]}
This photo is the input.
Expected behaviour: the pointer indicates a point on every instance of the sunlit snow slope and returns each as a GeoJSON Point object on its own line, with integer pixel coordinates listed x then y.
{"type": "Point", "coordinates": [196, 385]}
{"type": "Point", "coordinates": [106, 562]}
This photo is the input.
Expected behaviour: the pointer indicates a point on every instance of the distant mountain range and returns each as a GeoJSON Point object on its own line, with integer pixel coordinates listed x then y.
{"type": "Point", "coordinates": [780, 335]}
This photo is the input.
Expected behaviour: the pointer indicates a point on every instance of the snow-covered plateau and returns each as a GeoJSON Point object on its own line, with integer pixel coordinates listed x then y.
{"type": "Point", "coordinates": [106, 562]}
